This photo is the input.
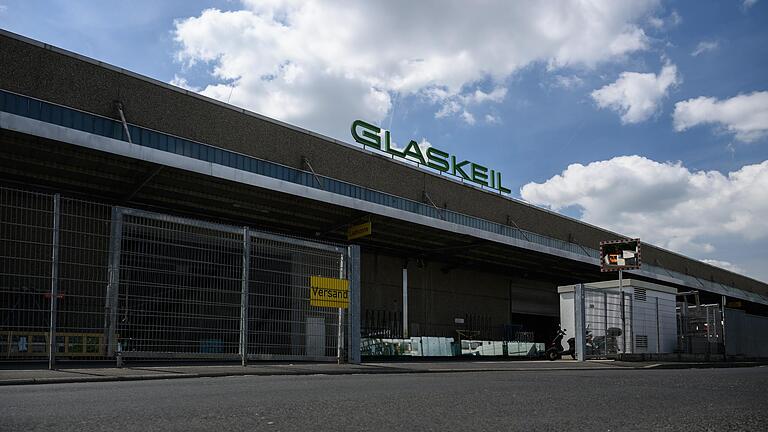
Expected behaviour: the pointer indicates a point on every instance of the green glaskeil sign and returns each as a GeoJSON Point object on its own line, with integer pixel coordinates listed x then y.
{"type": "Point", "coordinates": [371, 136]}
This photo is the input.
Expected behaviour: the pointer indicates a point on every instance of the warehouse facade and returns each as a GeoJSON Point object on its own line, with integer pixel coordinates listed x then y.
{"type": "Point", "coordinates": [443, 257]}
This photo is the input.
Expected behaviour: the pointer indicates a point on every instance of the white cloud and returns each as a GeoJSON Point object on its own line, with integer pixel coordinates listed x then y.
{"type": "Point", "coordinates": [568, 82]}
{"type": "Point", "coordinates": [182, 82]}
{"type": "Point", "coordinates": [663, 203]}
{"type": "Point", "coordinates": [468, 118]}
{"type": "Point", "coordinates": [705, 46]}
{"type": "Point", "coordinates": [745, 116]}
{"type": "Point", "coordinates": [321, 64]}
{"type": "Point", "coordinates": [656, 22]}
{"type": "Point", "coordinates": [637, 96]}
{"type": "Point", "coordinates": [459, 104]}
{"type": "Point", "coordinates": [746, 4]}
{"type": "Point", "coordinates": [479, 96]}
{"type": "Point", "coordinates": [660, 23]}
{"type": "Point", "coordinates": [724, 264]}
{"type": "Point", "coordinates": [492, 119]}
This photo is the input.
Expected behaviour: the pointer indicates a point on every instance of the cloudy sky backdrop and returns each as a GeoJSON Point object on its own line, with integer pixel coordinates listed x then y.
{"type": "Point", "coordinates": [647, 117]}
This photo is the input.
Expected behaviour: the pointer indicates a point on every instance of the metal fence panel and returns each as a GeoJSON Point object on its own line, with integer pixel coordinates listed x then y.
{"type": "Point", "coordinates": [83, 277]}
{"type": "Point", "coordinates": [179, 287]}
{"type": "Point", "coordinates": [606, 323]}
{"type": "Point", "coordinates": [135, 283]}
{"type": "Point", "coordinates": [26, 240]}
{"type": "Point", "coordinates": [282, 324]}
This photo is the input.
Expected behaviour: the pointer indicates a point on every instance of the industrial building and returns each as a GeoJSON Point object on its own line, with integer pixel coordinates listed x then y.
{"type": "Point", "coordinates": [156, 222]}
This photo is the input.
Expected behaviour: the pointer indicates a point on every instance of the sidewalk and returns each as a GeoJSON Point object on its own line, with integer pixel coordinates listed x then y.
{"type": "Point", "coordinates": [137, 372]}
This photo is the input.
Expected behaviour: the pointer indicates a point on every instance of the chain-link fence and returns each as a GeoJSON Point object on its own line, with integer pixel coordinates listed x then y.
{"type": "Point", "coordinates": [80, 279]}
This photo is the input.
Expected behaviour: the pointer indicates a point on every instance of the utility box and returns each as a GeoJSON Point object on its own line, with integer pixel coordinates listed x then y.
{"type": "Point", "coordinates": [638, 318]}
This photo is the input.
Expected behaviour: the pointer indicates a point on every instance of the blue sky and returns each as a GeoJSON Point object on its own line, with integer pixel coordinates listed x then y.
{"type": "Point", "coordinates": [647, 117]}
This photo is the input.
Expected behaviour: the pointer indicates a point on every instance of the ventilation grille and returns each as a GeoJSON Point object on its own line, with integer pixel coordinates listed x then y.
{"type": "Point", "coordinates": [640, 294]}
{"type": "Point", "coordinates": [641, 341]}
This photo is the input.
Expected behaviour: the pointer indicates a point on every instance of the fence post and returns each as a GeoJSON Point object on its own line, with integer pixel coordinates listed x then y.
{"type": "Point", "coordinates": [623, 319]}
{"type": "Point", "coordinates": [405, 301]}
{"type": "Point", "coordinates": [244, 297]}
{"type": "Point", "coordinates": [658, 328]}
{"type": "Point", "coordinates": [605, 321]}
{"type": "Point", "coordinates": [54, 281]}
{"type": "Point", "coordinates": [353, 274]}
{"type": "Point", "coordinates": [722, 328]}
{"type": "Point", "coordinates": [624, 332]}
{"type": "Point", "coordinates": [579, 322]}
{"type": "Point", "coordinates": [110, 306]}
{"type": "Point", "coordinates": [340, 332]}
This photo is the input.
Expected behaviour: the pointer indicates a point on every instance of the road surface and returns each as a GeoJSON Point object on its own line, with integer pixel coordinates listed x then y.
{"type": "Point", "coordinates": [604, 400]}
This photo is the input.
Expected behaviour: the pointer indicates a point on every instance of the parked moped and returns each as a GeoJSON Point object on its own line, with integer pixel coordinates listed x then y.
{"type": "Point", "coordinates": [556, 350]}
{"type": "Point", "coordinates": [607, 344]}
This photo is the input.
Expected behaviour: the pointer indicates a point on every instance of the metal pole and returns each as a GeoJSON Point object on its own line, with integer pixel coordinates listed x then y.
{"type": "Point", "coordinates": [405, 302]}
{"type": "Point", "coordinates": [244, 297]}
{"type": "Point", "coordinates": [624, 331]}
{"type": "Point", "coordinates": [709, 336]}
{"type": "Point", "coordinates": [353, 274]}
{"type": "Point", "coordinates": [686, 327]}
{"type": "Point", "coordinates": [621, 279]}
{"type": "Point", "coordinates": [340, 337]}
{"type": "Point", "coordinates": [632, 323]}
{"type": "Point", "coordinates": [579, 322]}
{"type": "Point", "coordinates": [658, 328]}
{"type": "Point", "coordinates": [125, 124]}
{"type": "Point", "coordinates": [605, 321]}
{"type": "Point", "coordinates": [54, 282]}
{"type": "Point", "coordinates": [623, 319]}
{"type": "Point", "coordinates": [110, 306]}
{"type": "Point", "coordinates": [340, 333]}
{"type": "Point", "coordinates": [723, 302]}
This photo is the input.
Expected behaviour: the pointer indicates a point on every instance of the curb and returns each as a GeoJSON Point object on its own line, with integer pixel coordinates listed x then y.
{"type": "Point", "coordinates": [719, 365]}
{"type": "Point", "coordinates": [90, 379]}
{"type": "Point", "coordinates": [376, 371]}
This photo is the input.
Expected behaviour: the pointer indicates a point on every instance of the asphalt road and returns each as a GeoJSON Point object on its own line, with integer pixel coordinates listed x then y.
{"type": "Point", "coordinates": [606, 400]}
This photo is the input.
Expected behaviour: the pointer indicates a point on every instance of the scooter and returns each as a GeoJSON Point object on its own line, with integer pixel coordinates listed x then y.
{"type": "Point", "coordinates": [607, 344]}
{"type": "Point", "coordinates": [556, 350]}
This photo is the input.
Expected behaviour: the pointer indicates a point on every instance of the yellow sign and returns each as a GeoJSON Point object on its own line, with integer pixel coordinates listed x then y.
{"type": "Point", "coordinates": [329, 292]}
{"type": "Point", "coordinates": [357, 231]}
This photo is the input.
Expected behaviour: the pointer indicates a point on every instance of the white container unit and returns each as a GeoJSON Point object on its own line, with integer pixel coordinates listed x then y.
{"type": "Point", "coordinates": [648, 324]}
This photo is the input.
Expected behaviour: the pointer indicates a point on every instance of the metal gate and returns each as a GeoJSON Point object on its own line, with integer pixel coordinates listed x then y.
{"type": "Point", "coordinates": [88, 280]}
{"type": "Point", "coordinates": [608, 318]}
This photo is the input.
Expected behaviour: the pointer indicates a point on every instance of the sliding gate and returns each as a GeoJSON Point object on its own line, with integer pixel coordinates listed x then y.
{"type": "Point", "coordinates": [107, 282]}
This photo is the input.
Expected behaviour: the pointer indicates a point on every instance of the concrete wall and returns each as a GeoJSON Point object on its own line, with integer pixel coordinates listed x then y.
{"type": "Point", "coordinates": [54, 75]}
